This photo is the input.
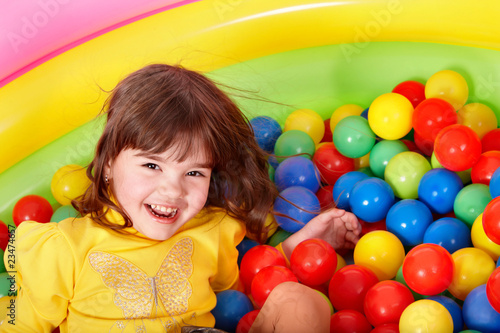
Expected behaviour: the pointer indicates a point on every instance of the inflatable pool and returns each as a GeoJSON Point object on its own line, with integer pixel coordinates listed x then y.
{"type": "Point", "coordinates": [60, 57]}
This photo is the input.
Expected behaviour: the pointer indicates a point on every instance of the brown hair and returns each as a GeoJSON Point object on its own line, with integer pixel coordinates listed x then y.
{"type": "Point", "coordinates": [162, 106]}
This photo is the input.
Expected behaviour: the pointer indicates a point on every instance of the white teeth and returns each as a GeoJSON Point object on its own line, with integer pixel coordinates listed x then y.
{"type": "Point", "coordinates": [164, 209]}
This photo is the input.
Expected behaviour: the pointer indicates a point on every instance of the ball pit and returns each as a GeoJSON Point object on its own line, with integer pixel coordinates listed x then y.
{"type": "Point", "coordinates": [62, 138]}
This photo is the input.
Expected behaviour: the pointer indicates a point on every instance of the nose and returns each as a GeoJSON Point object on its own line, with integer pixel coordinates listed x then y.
{"type": "Point", "coordinates": [171, 187]}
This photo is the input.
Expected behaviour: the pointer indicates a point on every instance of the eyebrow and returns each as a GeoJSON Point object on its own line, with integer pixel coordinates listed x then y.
{"type": "Point", "coordinates": [155, 157]}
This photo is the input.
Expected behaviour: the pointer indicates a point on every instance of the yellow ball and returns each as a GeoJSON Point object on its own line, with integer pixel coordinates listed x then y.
{"type": "Point", "coordinates": [380, 251]}
{"type": "Point", "coordinates": [362, 162]}
{"type": "Point", "coordinates": [426, 316]}
{"type": "Point", "coordinates": [343, 112]}
{"type": "Point", "coordinates": [390, 116]}
{"type": "Point", "coordinates": [473, 267]}
{"type": "Point", "coordinates": [308, 121]}
{"type": "Point", "coordinates": [340, 262]}
{"type": "Point", "coordinates": [479, 117]}
{"type": "Point", "coordinates": [68, 183]}
{"type": "Point", "coordinates": [481, 240]}
{"type": "Point", "coordinates": [448, 85]}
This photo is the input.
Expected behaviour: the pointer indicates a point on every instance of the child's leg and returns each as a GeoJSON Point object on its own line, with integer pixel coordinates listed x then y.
{"type": "Point", "coordinates": [293, 308]}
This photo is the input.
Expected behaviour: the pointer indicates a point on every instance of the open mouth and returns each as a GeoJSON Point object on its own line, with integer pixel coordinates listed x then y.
{"type": "Point", "coordinates": [162, 211]}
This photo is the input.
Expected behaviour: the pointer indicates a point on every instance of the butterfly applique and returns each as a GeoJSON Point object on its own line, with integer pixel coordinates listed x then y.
{"type": "Point", "coordinates": [139, 295]}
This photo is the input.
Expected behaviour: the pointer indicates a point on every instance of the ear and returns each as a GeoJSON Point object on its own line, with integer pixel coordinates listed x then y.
{"type": "Point", "coordinates": [107, 170]}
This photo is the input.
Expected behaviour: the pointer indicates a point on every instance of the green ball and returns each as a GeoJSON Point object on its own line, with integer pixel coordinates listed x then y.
{"type": "Point", "coordinates": [353, 137]}
{"type": "Point", "coordinates": [470, 202]}
{"type": "Point", "coordinates": [294, 142]}
{"type": "Point", "coordinates": [382, 153]}
{"type": "Point", "coordinates": [7, 284]}
{"type": "Point", "coordinates": [403, 173]}
{"type": "Point", "coordinates": [367, 171]}
{"type": "Point", "coordinates": [2, 264]}
{"type": "Point", "coordinates": [64, 212]}
{"type": "Point", "coordinates": [400, 278]}
{"type": "Point", "coordinates": [278, 237]}
{"type": "Point", "coordinates": [464, 175]}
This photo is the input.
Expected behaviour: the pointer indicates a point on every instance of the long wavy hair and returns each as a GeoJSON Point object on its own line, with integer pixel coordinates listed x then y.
{"type": "Point", "coordinates": [162, 106]}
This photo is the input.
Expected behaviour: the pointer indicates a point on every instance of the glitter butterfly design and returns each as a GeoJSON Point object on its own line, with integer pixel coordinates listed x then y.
{"type": "Point", "coordinates": [137, 294]}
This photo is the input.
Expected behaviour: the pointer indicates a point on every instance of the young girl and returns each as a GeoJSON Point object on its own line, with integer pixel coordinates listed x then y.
{"type": "Point", "coordinates": [177, 181]}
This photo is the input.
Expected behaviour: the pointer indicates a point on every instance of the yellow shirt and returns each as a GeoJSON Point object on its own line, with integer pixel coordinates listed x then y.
{"type": "Point", "coordinates": [86, 278]}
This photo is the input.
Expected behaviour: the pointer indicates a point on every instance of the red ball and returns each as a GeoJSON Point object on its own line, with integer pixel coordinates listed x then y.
{"type": "Point", "coordinates": [325, 196]}
{"type": "Point", "coordinates": [331, 163]}
{"type": "Point", "coordinates": [428, 269]}
{"type": "Point", "coordinates": [348, 287]}
{"type": "Point", "coordinates": [493, 289]}
{"type": "Point", "coordinates": [431, 116]}
{"type": "Point", "coordinates": [313, 262]}
{"type": "Point", "coordinates": [255, 259]}
{"type": "Point", "coordinates": [267, 279]}
{"type": "Point", "coordinates": [491, 140]}
{"type": "Point", "coordinates": [32, 208]}
{"type": "Point", "coordinates": [457, 147]}
{"type": "Point", "coordinates": [4, 235]}
{"type": "Point", "coordinates": [483, 170]}
{"type": "Point", "coordinates": [328, 136]}
{"type": "Point", "coordinates": [414, 91]}
{"type": "Point", "coordinates": [491, 220]}
{"type": "Point", "coordinates": [349, 321]}
{"type": "Point", "coordinates": [424, 146]}
{"type": "Point", "coordinates": [386, 301]}
{"type": "Point", "coordinates": [246, 322]}
{"type": "Point", "coordinates": [367, 227]}
{"type": "Point", "coordinates": [386, 328]}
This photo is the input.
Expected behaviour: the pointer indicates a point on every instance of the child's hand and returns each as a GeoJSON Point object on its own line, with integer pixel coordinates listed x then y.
{"type": "Point", "coordinates": [336, 226]}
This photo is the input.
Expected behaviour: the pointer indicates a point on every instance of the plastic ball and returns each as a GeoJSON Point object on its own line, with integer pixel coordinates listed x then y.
{"type": "Point", "coordinates": [362, 162]}
{"type": "Point", "coordinates": [431, 116]}
{"type": "Point", "coordinates": [479, 314]}
{"type": "Point", "coordinates": [349, 285]}
{"type": "Point", "coordinates": [297, 171]}
{"type": "Point", "coordinates": [450, 233]}
{"type": "Point", "coordinates": [400, 278]}
{"type": "Point", "coordinates": [386, 301]}
{"type": "Point", "coordinates": [479, 117]}
{"type": "Point", "coordinates": [457, 147]}
{"type": "Point", "coordinates": [390, 116]}
{"type": "Point", "coordinates": [255, 259]}
{"type": "Point", "coordinates": [68, 183]}
{"type": "Point", "coordinates": [267, 279]}
{"type": "Point", "coordinates": [295, 207]}
{"type": "Point", "coordinates": [367, 227]}
{"type": "Point", "coordinates": [266, 131]}
{"type": "Point", "coordinates": [414, 91]}
{"type": "Point", "coordinates": [428, 269]}
{"type": "Point", "coordinates": [32, 208]}
{"type": "Point", "coordinates": [328, 136]}
{"type": "Point", "coordinates": [454, 310]}
{"type": "Point", "coordinates": [495, 184]}
{"type": "Point", "coordinates": [343, 112]}
{"type": "Point", "coordinates": [7, 287]}
{"type": "Point", "coordinates": [294, 142]}
{"type": "Point", "coordinates": [247, 321]}
{"type": "Point", "coordinates": [404, 172]}
{"type": "Point", "coordinates": [491, 140]}
{"type": "Point", "coordinates": [371, 199]}
{"type": "Point", "coordinates": [4, 236]}
{"type": "Point", "coordinates": [448, 85]}
{"type": "Point", "coordinates": [243, 247]}
{"type": "Point", "coordinates": [380, 251]}
{"type": "Point", "coordinates": [483, 170]}
{"type": "Point", "coordinates": [464, 175]}
{"type": "Point", "coordinates": [278, 237]}
{"type": "Point", "coordinates": [64, 212]}
{"type": "Point", "coordinates": [325, 197]}
{"type": "Point", "coordinates": [341, 191]}
{"type": "Point", "coordinates": [491, 220]}
{"type": "Point", "coordinates": [470, 202]}
{"type": "Point", "coordinates": [313, 261]}
{"type": "Point", "coordinates": [386, 328]}
{"type": "Point", "coordinates": [481, 241]}
{"type": "Point", "coordinates": [231, 306]}
{"type": "Point", "coordinates": [349, 321]}
{"type": "Point", "coordinates": [409, 219]}
{"type": "Point", "coordinates": [307, 121]}
{"type": "Point", "coordinates": [331, 164]}
{"type": "Point", "coordinates": [424, 146]}
{"type": "Point", "coordinates": [382, 153]}
{"type": "Point", "coordinates": [438, 189]}
{"type": "Point", "coordinates": [353, 137]}
{"type": "Point", "coordinates": [493, 289]}
{"type": "Point", "coordinates": [472, 268]}
{"type": "Point", "coordinates": [426, 316]}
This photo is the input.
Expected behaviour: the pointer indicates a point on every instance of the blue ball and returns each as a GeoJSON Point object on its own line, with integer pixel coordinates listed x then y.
{"type": "Point", "coordinates": [438, 189]}
{"type": "Point", "coordinates": [498, 262]}
{"type": "Point", "coordinates": [364, 114]}
{"type": "Point", "coordinates": [231, 306]}
{"type": "Point", "coordinates": [343, 187]}
{"type": "Point", "coordinates": [273, 161]}
{"type": "Point", "coordinates": [245, 245]}
{"type": "Point", "coordinates": [298, 205]}
{"type": "Point", "coordinates": [266, 131]}
{"type": "Point", "coordinates": [454, 310]}
{"type": "Point", "coordinates": [478, 313]}
{"type": "Point", "coordinates": [450, 233]}
{"type": "Point", "coordinates": [408, 219]}
{"type": "Point", "coordinates": [297, 171]}
{"type": "Point", "coordinates": [371, 199]}
{"type": "Point", "coordinates": [495, 184]}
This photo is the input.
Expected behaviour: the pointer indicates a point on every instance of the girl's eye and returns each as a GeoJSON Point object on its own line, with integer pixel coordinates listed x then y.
{"type": "Point", "coordinates": [194, 173]}
{"type": "Point", "coordinates": [152, 166]}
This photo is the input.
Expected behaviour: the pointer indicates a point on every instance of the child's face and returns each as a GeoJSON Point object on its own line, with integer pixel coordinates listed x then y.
{"type": "Point", "coordinates": [159, 194]}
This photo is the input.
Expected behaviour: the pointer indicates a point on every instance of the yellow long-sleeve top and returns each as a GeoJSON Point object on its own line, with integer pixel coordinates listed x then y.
{"type": "Point", "coordinates": [83, 277]}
